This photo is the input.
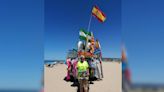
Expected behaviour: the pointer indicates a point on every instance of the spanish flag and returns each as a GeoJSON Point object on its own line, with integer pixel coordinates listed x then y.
{"type": "Point", "coordinates": [98, 14]}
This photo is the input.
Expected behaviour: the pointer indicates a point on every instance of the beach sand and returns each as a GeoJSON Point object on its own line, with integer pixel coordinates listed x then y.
{"type": "Point", "coordinates": [53, 79]}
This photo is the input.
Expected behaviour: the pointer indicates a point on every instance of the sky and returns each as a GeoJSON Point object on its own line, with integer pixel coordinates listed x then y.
{"type": "Point", "coordinates": [21, 44]}
{"type": "Point", "coordinates": [65, 18]}
{"type": "Point", "coordinates": [142, 31]}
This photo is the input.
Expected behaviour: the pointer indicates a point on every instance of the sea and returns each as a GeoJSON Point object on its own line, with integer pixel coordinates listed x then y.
{"type": "Point", "coordinates": [52, 61]}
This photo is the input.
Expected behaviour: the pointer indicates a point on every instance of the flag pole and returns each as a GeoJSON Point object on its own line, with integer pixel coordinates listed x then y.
{"type": "Point", "coordinates": [89, 24]}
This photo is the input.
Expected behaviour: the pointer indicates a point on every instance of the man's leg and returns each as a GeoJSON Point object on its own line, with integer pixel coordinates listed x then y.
{"type": "Point", "coordinates": [81, 85]}
{"type": "Point", "coordinates": [86, 86]}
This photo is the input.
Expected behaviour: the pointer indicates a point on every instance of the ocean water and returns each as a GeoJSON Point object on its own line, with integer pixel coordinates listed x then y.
{"type": "Point", "coordinates": [52, 61]}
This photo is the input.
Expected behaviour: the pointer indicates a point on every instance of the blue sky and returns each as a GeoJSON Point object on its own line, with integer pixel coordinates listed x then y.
{"type": "Point", "coordinates": [21, 39]}
{"type": "Point", "coordinates": [142, 31]}
{"type": "Point", "coordinates": [64, 19]}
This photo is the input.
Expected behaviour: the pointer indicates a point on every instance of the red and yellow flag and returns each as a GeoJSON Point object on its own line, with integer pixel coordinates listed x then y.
{"type": "Point", "coordinates": [98, 14]}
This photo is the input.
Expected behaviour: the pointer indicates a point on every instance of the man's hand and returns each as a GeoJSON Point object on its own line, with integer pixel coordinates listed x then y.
{"type": "Point", "coordinates": [87, 72]}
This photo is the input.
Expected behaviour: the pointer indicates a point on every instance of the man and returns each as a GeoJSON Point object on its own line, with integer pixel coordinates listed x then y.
{"type": "Point", "coordinates": [83, 67]}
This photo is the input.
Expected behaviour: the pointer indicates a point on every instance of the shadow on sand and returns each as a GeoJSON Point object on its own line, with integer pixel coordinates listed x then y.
{"type": "Point", "coordinates": [76, 83]}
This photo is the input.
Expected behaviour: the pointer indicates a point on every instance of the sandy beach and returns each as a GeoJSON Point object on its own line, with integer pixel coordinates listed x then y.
{"type": "Point", "coordinates": [111, 82]}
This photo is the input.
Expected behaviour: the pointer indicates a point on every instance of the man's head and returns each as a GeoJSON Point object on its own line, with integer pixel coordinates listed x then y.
{"type": "Point", "coordinates": [82, 58]}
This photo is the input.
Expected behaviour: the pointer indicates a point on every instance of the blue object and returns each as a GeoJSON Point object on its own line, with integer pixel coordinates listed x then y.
{"type": "Point", "coordinates": [124, 65]}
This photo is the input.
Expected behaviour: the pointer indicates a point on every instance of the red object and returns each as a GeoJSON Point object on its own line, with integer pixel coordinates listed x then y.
{"type": "Point", "coordinates": [100, 12]}
{"type": "Point", "coordinates": [100, 61]}
{"type": "Point", "coordinates": [86, 54]}
{"type": "Point", "coordinates": [127, 74]}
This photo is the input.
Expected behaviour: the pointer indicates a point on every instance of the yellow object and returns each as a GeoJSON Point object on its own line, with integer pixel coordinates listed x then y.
{"type": "Point", "coordinates": [98, 14]}
{"type": "Point", "coordinates": [82, 66]}
{"type": "Point", "coordinates": [92, 45]}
